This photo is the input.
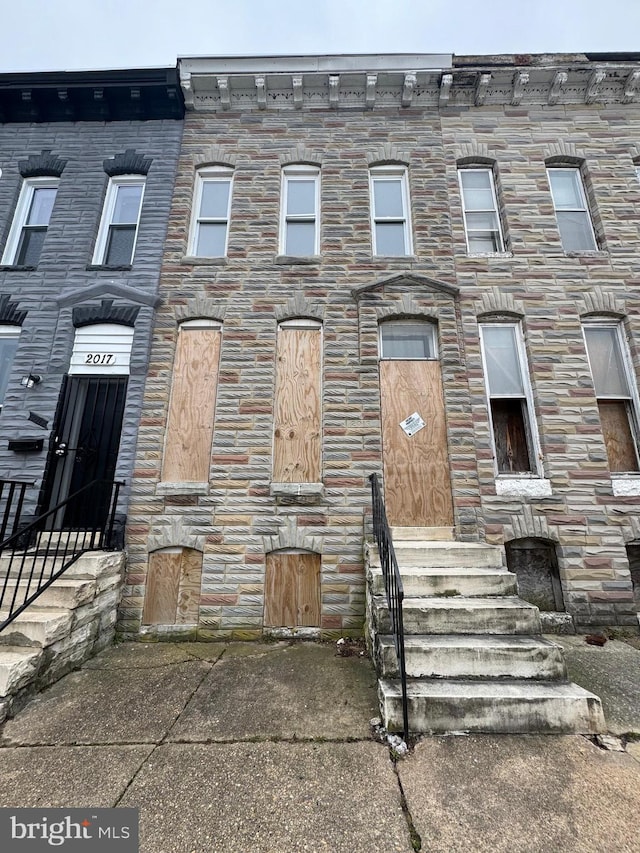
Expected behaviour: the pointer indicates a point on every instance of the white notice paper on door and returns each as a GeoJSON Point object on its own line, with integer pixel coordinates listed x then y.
{"type": "Point", "coordinates": [412, 424]}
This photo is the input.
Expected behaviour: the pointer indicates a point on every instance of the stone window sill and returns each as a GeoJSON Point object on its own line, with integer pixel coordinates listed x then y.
{"type": "Point", "coordinates": [304, 260]}
{"type": "Point", "coordinates": [626, 486]}
{"type": "Point", "coordinates": [187, 488]}
{"type": "Point", "coordinates": [598, 253]}
{"type": "Point", "coordinates": [297, 493]}
{"type": "Point", "coordinates": [523, 487]}
{"type": "Point", "coordinates": [109, 268]}
{"type": "Point", "coordinates": [498, 255]}
{"type": "Point", "coordinates": [394, 259]}
{"type": "Point", "coordinates": [193, 261]}
{"type": "Point", "coordinates": [17, 268]}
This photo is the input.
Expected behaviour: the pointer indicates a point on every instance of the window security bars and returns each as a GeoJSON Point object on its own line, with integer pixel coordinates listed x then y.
{"type": "Point", "coordinates": [393, 587]}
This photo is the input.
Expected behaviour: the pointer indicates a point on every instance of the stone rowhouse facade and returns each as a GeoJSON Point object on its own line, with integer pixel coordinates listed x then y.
{"type": "Point", "coordinates": [80, 128]}
{"type": "Point", "coordinates": [430, 114]}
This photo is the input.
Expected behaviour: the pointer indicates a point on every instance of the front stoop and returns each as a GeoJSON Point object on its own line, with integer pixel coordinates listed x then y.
{"type": "Point", "coordinates": [474, 656]}
{"type": "Point", "coordinates": [72, 620]}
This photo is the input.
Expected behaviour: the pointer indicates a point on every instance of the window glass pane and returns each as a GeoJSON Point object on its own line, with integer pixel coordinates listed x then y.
{"type": "Point", "coordinates": [390, 238]}
{"type": "Point", "coordinates": [407, 340]}
{"type": "Point", "coordinates": [503, 363]}
{"type": "Point", "coordinates": [30, 246]}
{"type": "Point", "coordinates": [565, 187]}
{"type": "Point", "coordinates": [575, 231]}
{"type": "Point", "coordinates": [211, 240]}
{"type": "Point", "coordinates": [387, 196]}
{"type": "Point", "coordinates": [120, 245]}
{"type": "Point", "coordinates": [8, 347]}
{"type": "Point", "coordinates": [484, 241]}
{"type": "Point", "coordinates": [301, 198]}
{"type": "Point", "coordinates": [41, 206]}
{"type": "Point", "coordinates": [476, 189]}
{"type": "Point", "coordinates": [127, 204]}
{"type": "Point", "coordinates": [605, 358]}
{"type": "Point", "coordinates": [300, 238]}
{"type": "Point", "coordinates": [482, 221]}
{"type": "Point", "coordinates": [214, 203]}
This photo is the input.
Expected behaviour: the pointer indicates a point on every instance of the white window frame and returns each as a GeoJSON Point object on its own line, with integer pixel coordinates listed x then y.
{"type": "Point", "coordinates": [290, 174]}
{"type": "Point", "coordinates": [8, 332]}
{"type": "Point", "coordinates": [391, 173]}
{"type": "Point", "coordinates": [100, 251]}
{"type": "Point", "coordinates": [222, 174]}
{"type": "Point", "coordinates": [495, 209]}
{"type": "Point", "coordinates": [584, 209]}
{"type": "Point", "coordinates": [531, 426]}
{"type": "Point", "coordinates": [633, 400]}
{"type": "Point", "coordinates": [23, 207]}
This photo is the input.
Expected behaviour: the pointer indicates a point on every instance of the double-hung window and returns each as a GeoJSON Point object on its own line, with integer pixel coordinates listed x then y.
{"type": "Point", "coordinates": [510, 399]}
{"type": "Point", "coordinates": [615, 392]}
{"type": "Point", "coordinates": [480, 210]}
{"type": "Point", "coordinates": [391, 223]}
{"type": "Point", "coordinates": [209, 236]}
{"type": "Point", "coordinates": [30, 222]}
{"type": "Point", "coordinates": [572, 210]}
{"type": "Point", "coordinates": [8, 345]}
{"type": "Point", "coordinates": [120, 219]}
{"type": "Point", "coordinates": [299, 227]}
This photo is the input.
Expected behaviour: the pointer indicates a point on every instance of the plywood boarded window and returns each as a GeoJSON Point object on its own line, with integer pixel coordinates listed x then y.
{"type": "Point", "coordinates": [173, 587]}
{"type": "Point", "coordinates": [187, 450]}
{"type": "Point", "coordinates": [292, 590]}
{"type": "Point", "coordinates": [510, 400]}
{"type": "Point", "coordinates": [615, 394]}
{"type": "Point", "coordinates": [297, 416]}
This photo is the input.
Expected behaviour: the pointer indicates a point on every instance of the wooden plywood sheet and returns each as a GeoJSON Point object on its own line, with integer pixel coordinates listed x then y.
{"type": "Point", "coordinates": [292, 591]}
{"type": "Point", "coordinates": [192, 407]}
{"type": "Point", "coordinates": [187, 611]}
{"type": "Point", "coordinates": [618, 437]}
{"type": "Point", "coordinates": [297, 415]}
{"type": "Point", "coordinates": [416, 468]}
{"type": "Point", "coordinates": [163, 583]}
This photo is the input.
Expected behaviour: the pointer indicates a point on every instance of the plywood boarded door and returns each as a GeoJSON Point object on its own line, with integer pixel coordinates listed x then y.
{"type": "Point", "coordinates": [172, 595]}
{"type": "Point", "coordinates": [417, 482]}
{"type": "Point", "coordinates": [292, 590]}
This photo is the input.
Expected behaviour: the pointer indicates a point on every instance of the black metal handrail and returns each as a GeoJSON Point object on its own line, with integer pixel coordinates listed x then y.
{"type": "Point", "coordinates": [12, 494]}
{"type": "Point", "coordinates": [393, 587]}
{"type": "Point", "coordinates": [35, 556]}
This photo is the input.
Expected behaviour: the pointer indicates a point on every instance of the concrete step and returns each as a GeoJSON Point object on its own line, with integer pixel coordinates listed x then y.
{"type": "Point", "coordinates": [444, 554]}
{"type": "Point", "coordinates": [36, 626]}
{"type": "Point", "coordinates": [439, 706]}
{"type": "Point", "coordinates": [461, 615]}
{"type": "Point", "coordinates": [63, 593]}
{"type": "Point", "coordinates": [405, 534]}
{"type": "Point", "coordinates": [468, 656]}
{"type": "Point", "coordinates": [419, 581]}
{"type": "Point", "coordinates": [18, 664]}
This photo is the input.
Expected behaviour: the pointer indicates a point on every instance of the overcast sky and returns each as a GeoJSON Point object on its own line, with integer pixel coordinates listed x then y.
{"type": "Point", "coordinates": [54, 35]}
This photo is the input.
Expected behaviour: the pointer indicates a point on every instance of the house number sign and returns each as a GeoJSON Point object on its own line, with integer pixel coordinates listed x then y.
{"type": "Point", "coordinates": [412, 424]}
{"type": "Point", "coordinates": [99, 358]}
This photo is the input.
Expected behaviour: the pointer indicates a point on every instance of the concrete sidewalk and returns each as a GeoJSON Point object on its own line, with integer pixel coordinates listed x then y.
{"type": "Point", "coordinates": [229, 748]}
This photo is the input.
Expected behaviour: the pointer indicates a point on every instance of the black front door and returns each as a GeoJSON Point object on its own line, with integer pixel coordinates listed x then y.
{"type": "Point", "coordinates": [85, 446]}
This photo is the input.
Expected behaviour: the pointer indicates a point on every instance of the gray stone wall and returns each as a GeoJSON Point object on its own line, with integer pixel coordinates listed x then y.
{"type": "Point", "coordinates": [63, 279]}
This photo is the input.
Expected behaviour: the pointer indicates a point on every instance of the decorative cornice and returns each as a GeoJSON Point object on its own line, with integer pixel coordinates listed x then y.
{"type": "Point", "coordinates": [42, 165]}
{"type": "Point", "coordinates": [387, 154]}
{"type": "Point", "coordinates": [520, 81]}
{"type": "Point", "coordinates": [201, 308]}
{"type": "Point", "coordinates": [405, 306]}
{"type": "Point", "coordinates": [555, 90]}
{"type": "Point", "coordinates": [290, 536]}
{"type": "Point", "coordinates": [299, 306]}
{"type": "Point", "coordinates": [174, 534]}
{"type": "Point", "coordinates": [214, 155]}
{"type": "Point", "coordinates": [445, 89]}
{"type": "Point", "coordinates": [498, 302]}
{"type": "Point", "coordinates": [602, 302]}
{"type": "Point", "coordinates": [482, 87]}
{"type": "Point", "coordinates": [121, 315]}
{"type": "Point", "coordinates": [301, 154]}
{"type": "Point", "coordinates": [10, 315]}
{"type": "Point", "coordinates": [77, 295]}
{"type": "Point", "coordinates": [405, 280]}
{"type": "Point", "coordinates": [127, 163]}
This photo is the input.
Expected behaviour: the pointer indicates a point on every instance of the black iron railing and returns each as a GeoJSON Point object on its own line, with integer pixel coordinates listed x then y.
{"type": "Point", "coordinates": [12, 494]}
{"type": "Point", "coordinates": [35, 556]}
{"type": "Point", "coordinates": [393, 587]}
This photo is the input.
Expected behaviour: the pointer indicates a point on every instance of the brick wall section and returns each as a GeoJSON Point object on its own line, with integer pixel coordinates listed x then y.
{"type": "Point", "coordinates": [47, 335]}
{"type": "Point", "coordinates": [239, 520]}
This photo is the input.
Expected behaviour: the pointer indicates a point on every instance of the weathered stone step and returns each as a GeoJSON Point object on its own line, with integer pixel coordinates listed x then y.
{"type": "Point", "coordinates": [452, 581]}
{"type": "Point", "coordinates": [468, 656]}
{"type": "Point", "coordinates": [461, 615]}
{"type": "Point", "coordinates": [36, 626]}
{"type": "Point", "coordinates": [18, 665]}
{"type": "Point", "coordinates": [65, 592]}
{"type": "Point", "coordinates": [439, 706]}
{"type": "Point", "coordinates": [405, 534]}
{"type": "Point", "coordinates": [444, 554]}
{"type": "Point", "coordinates": [93, 564]}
